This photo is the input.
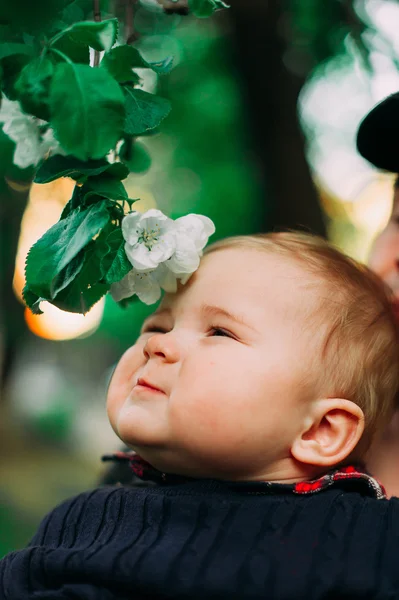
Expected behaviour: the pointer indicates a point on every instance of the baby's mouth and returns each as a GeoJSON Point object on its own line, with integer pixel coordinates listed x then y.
{"type": "Point", "coordinates": [143, 383]}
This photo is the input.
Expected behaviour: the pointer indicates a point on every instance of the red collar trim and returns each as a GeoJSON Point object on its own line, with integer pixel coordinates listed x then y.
{"type": "Point", "coordinates": [350, 477]}
{"type": "Point", "coordinates": [349, 473]}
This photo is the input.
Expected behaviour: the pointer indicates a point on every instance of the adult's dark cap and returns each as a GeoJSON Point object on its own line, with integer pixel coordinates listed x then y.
{"type": "Point", "coordinates": [378, 135]}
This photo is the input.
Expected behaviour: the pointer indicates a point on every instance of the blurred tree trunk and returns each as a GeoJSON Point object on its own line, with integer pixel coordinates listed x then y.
{"type": "Point", "coordinates": [271, 93]}
{"type": "Point", "coordinates": [12, 325]}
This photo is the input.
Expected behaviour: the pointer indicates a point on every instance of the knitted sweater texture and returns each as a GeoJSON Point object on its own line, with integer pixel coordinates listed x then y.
{"type": "Point", "coordinates": [208, 539]}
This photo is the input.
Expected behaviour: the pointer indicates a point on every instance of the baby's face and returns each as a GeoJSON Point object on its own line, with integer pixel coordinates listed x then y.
{"type": "Point", "coordinates": [384, 256]}
{"type": "Point", "coordinates": [213, 387]}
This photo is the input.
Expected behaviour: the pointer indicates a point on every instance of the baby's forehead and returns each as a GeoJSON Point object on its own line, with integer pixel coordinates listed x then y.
{"type": "Point", "coordinates": [235, 267]}
{"type": "Point", "coordinates": [248, 279]}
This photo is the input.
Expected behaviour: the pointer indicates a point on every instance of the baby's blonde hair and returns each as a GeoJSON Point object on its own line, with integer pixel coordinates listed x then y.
{"type": "Point", "coordinates": [359, 352]}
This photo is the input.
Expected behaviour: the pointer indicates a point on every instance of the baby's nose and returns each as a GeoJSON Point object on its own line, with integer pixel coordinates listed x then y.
{"type": "Point", "coordinates": [163, 346]}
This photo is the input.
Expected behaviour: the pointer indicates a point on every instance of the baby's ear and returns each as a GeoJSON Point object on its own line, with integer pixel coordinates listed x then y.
{"type": "Point", "coordinates": [334, 428]}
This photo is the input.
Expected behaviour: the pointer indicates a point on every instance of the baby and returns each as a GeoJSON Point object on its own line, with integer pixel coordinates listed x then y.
{"type": "Point", "coordinates": [249, 396]}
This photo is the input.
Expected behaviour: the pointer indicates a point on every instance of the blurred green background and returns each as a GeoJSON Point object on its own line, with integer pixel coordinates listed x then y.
{"type": "Point", "coordinates": [266, 99]}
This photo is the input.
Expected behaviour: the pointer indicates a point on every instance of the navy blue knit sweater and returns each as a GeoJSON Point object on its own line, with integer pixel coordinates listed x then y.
{"type": "Point", "coordinates": [213, 540]}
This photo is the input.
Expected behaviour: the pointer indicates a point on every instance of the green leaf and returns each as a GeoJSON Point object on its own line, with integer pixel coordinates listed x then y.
{"type": "Point", "coordinates": [73, 203]}
{"type": "Point", "coordinates": [144, 111]}
{"type": "Point", "coordinates": [85, 289]}
{"type": "Point", "coordinates": [68, 208]}
{"type": "Point", "coordinates": [115, 264]}
{"type": "Point", "coordinates": [60, 244]}
{"type": "Point", "coordinates": [33, 86]}
{"type": "Point", "coordinates": [80, 297]}
{"type": "Point", "coordinates": [32, 301]}
{"type": "Point", "coordinates": [98, 35]}
{"type": "Point", "coordinates": [82, 275]}
{"type": "Point", "coordinates": [105, 186]}
{"type": "Point", "coordinates": [10, 49]}
{"type": "Point", "coordinates": [11, 69]}
{"type": "Point", "coordinates": [204, 8]}
{"type": "Point", "coordinates": [137, 158]}
{"type": "Point", "coordinates": [68, 273]}
{"type": "Point", "coordinates": [78, 53]}
{"type": "Point", "coordinates": [68, 166]}
{"type": "Point", "coordinates": [120, 61]}
{"type": "Point", "coordinates": [87, 109]}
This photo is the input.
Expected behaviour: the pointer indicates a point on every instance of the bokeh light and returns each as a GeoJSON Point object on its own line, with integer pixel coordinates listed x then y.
{"type": "Point", "coordinates": [45, 205]}
{"type": "Point", "coordinates": [55, 324]}
{"type": "Point", "coordinates": [332, 104]}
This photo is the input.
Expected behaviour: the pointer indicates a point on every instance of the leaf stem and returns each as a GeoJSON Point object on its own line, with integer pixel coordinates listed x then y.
{"type": "Point", "coordinates": [43, 53]}
{"type": "Point", "coordinates": [63, 56]}
{"type": "Point", "coordinates": [129, 18]}
{"type": "Point", "coordinates": [96, 10]}
{"type": "Point", "coordinates": [57, 37]}
{"type": "Point", "coordinates": [97, 17]}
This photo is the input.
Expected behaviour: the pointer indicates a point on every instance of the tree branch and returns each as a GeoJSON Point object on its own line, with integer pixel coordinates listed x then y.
{"type": "Point", "coordinates": [97, 17]}
{"type": "Point", "coordinates": [130, 35]}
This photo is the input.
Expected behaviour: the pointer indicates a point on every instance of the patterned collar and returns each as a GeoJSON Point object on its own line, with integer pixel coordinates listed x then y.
{"type": "Point", "coordinates": [352, 478]}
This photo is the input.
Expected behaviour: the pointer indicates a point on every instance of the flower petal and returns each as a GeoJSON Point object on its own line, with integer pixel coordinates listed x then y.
{"type": "Point", "coordinates": [147, 288]}
{"type": "Point", "coordinates": [24, 130]}
{"type": "Point", "coordinates": [131, 227]}
{"type": "Point", "coordinates": [198, 227]}
{"type": "Point", "coordinates": [27, 152]}
{"type": "Point", "coordinates": [184, 278]}
{"type": "Point", "coordinates": [161, 251]}
{"type": "Point", "coordinates": [140, 257]}
{"type": "Point", "coordinates": [154, 213]}
{"type": "Point", "coordinates": [166, 279]}
{"type": "Point", "coordinates": [144, 259]}
{"type": "Point", "coordinates": [10, 109]}
{"type": "Point", "coordinates": [123, 288]}
{"type": "Point", "coordinates": [186, 258]}
{"type": "Point", "coordinates": [51, 144]}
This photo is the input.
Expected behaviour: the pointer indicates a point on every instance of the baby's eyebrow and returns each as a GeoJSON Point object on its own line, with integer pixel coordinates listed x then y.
{"type": "Point", "coordinates": [210, 310]}
{"type": "Point", "coordinates": [158, 313]}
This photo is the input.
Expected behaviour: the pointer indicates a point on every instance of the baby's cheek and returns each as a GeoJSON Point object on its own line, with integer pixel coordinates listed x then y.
{"type": "Point", "coordinates": [122, 379]}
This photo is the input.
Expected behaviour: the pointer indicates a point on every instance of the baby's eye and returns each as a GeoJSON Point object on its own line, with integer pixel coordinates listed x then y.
{"type": "Point", "coordinates": [220, 332]}
{"type": "Point", "coordinates": [153, 329]}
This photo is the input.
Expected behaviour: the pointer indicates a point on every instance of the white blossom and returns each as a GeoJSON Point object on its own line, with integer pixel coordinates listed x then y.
{"type": "Point", "coordinates": [24, 130]}
{"type": "Point", "coordinates": [198, 227]}
{"type": "Point", "coordinates": [142, 284]}
{"type": "Point", "coordinates": [50, 144]}
{"type": "Point", "coordinates": [166, 278]}
{"type": "Point", "coordinates": [149, 238]}
{"type": "Point", "coordinates": [162, 252]}
{"type": "Point", "coordinates": [191, 236]}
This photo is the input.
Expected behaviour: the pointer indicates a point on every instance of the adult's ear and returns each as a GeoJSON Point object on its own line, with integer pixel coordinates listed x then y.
{"type": "Point", "coordinates": [332, 432]}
